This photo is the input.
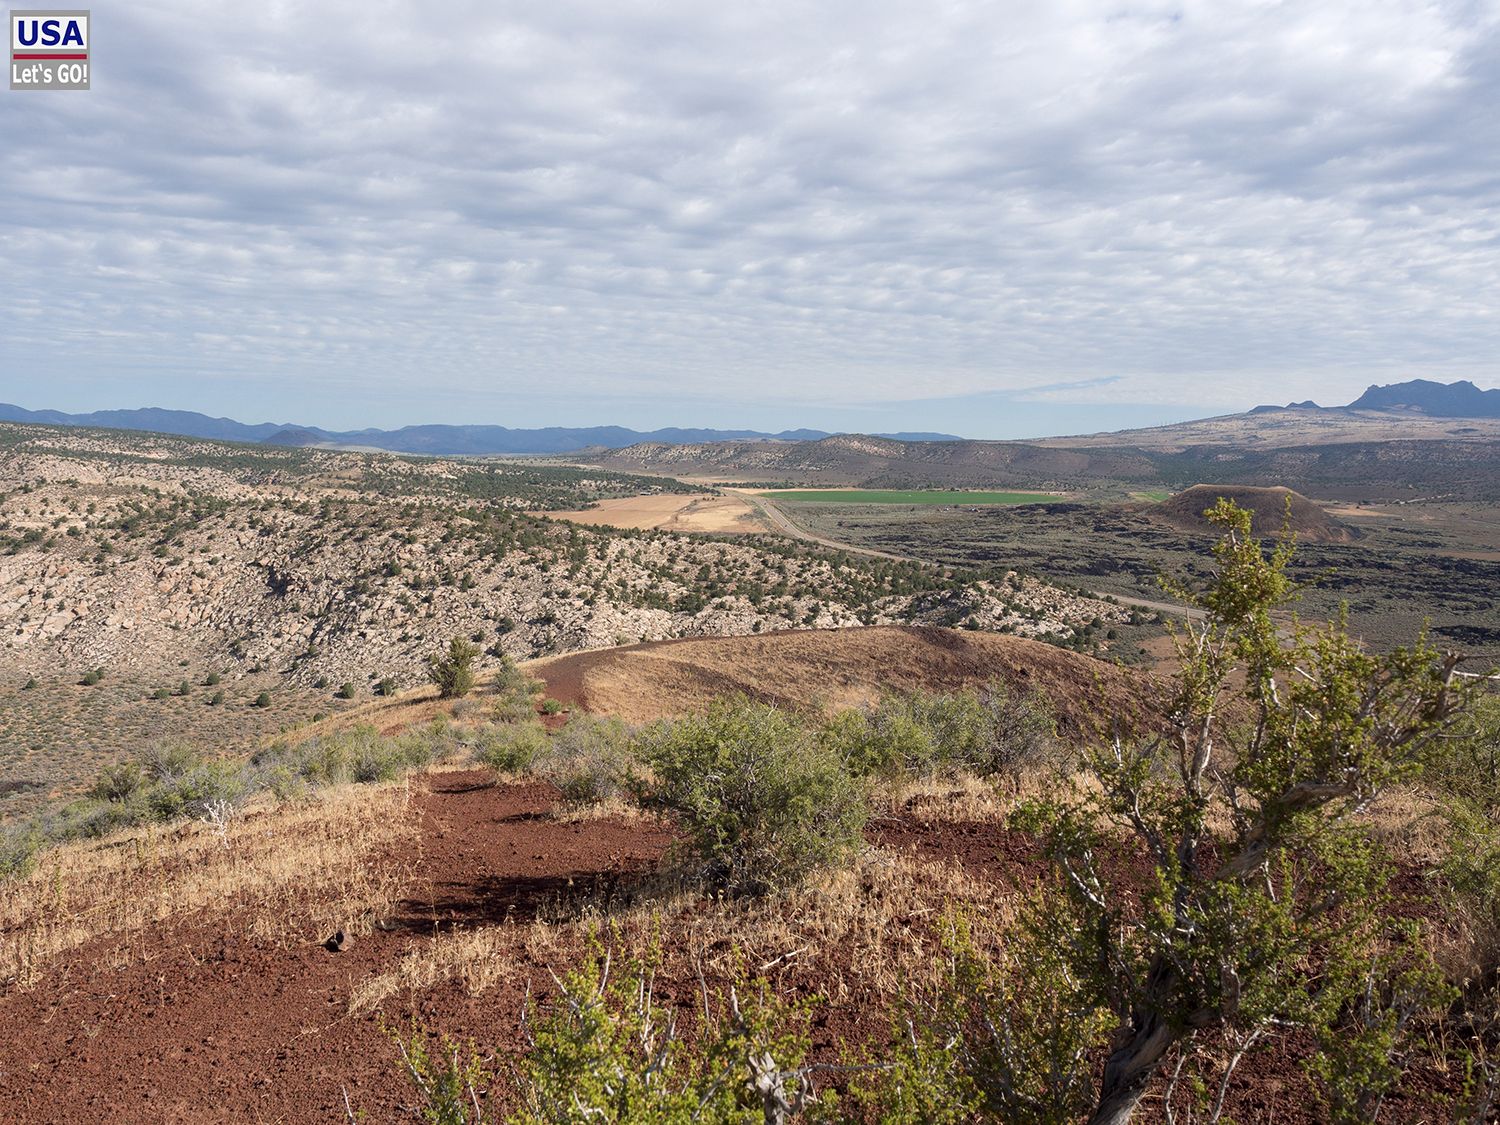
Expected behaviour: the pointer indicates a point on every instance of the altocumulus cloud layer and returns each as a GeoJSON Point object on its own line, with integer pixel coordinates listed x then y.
{"type": "Point", "coordinates": [359, 213]}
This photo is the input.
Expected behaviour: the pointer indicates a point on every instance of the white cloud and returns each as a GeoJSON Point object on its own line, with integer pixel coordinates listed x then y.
{"type": "Point", "coordinates": [1210, 202]}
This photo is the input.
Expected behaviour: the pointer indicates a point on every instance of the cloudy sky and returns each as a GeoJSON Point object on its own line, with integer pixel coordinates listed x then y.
{"type": "Point", "coordinates": [997, 219]}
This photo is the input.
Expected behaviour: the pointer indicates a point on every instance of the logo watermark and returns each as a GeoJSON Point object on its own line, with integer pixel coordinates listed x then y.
{"type": "Point", "coordinates": [49, 50]}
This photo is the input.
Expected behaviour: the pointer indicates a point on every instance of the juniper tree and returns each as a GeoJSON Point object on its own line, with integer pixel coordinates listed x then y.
{"type": "Point", "coordinates": [453, 670]}
{"type": "Point", "coordinates": [1262, 908]}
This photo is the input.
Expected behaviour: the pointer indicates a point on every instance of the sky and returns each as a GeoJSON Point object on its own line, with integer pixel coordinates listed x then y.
{"type": "Point", "coordinates": [991, 219]}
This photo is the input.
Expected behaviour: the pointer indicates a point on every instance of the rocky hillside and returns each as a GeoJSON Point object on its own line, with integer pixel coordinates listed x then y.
{"type": "Point", "coordinates": [167, 564]}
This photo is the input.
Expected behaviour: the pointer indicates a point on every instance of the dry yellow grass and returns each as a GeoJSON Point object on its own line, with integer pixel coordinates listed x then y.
{"type": "Point", "coordinates": [669, 512]}
{"type": "Point", "coordinates": [867, 929]}
{"type": "Point", "coordinates": [833, 669]}
{"type": "Point", "coordinates": [287, 872]}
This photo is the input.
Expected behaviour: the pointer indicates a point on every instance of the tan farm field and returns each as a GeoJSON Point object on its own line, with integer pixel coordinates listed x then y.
{"type": "Point", "coordinates": [670, 512]}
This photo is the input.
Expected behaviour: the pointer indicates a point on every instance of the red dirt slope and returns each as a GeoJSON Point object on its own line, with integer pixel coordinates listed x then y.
{"type": "Point", "coordinates": [836, 668]}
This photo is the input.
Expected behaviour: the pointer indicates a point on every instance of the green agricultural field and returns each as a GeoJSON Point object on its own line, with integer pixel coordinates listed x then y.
{"type": "Point", "coordinates": [903, 496]}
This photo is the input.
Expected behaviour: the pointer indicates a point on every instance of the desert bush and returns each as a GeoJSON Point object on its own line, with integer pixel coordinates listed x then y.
{"type": "Point", "coordinates": [1463, 774]}
{"type": "Point", "coordinates": [92, 677]}
{"type": "Point", "coordinates": [189, 794]}
{"type": "Point", "coordinates": [1007, 1035]}
{"type": "Point", "coordinates": [263, 699]}
{"type": "Point", "coordinates": [447, 1081]}
{"type": "Point", "coordinates": [589, 760]}
{"type": "Point", "coordinates": [1279, 919]}
{"type": "Point", "coordinates": [118, 782]}
{"type": "Point", "coordinates": [551, 706]}
{"type": "Point", "coordinates": [453, 670]}
{"type": "Point", "coordinates": [1016, 732]}
{"type": "Point", "coordinates": [886, 742]}
{"type": "Point", "coordinates": [510, 748]}
{"type": "Point", "coordinates": [764, 801]}
{"type": "Point", "coordinates": [1471, 891]}
{"type": "Point", "coordinates": [992, 733]}
{"type": "Point", "coordinates": [167, 761]}
{"type": "Point", "coordinates": [19, 845]}
{"type": "Point", "coordinates": [513, 706]}
{"type": "Point", "coordinates": [608, 1049]}
{"type": "Point", "coordinates": [94, 819]}
{"type": "Point", "coordinates": [421, 746]}
{"type": "Point", "coordinates": [508, 677]}
{"type": "Point", "coordinates": [1465, 766]}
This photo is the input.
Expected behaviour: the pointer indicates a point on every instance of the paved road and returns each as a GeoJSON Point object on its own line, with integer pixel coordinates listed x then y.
{"type": "Point", "coordinates": [784, 523]}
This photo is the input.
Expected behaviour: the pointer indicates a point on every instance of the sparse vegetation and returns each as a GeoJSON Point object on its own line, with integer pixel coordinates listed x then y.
{"type": "Point", "coordinates": [945, 947]}
{"type": "Point", "coordinates": [590, 760]}
{"type": "Point", "coordinates": [764, 801]}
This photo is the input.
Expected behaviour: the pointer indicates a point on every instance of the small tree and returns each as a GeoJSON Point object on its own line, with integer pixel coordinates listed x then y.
{"type": "Point", "coordinates": [1279, 919]}
{"type": "Point", "coordinates": [453, 669]}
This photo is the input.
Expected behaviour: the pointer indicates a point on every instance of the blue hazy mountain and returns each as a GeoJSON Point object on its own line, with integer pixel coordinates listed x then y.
{"type": "Point", "coordinates": [1415, 396]}
{"type": "Point", "coordinates": [435, 439]}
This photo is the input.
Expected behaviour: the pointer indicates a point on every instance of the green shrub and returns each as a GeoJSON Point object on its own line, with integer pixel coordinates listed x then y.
{"type": "Point", "coordinates": [92, 677]}
{"type": "Point", "coordinates": [118, 782]}
{"type": "Point", "coordinates": [190, 794]}
{"type": "Point", "coordinates": [421, 746]}
{"type": "Point", "coordinates": [589, 760]}
{"type": "Point", "coordinates": [764, 801]}
{"type": "Point", "coordinates": [508, 677]}
{"type": "Point", "coordinates": [1014, 732]}
{"type": "Point", "coordinates": [990, 733]}
{"type": "Point", "coordinates": [447, 1081]}
{"type": "Point", "coordinates": [511, 748]}
{"type": "Point", "coordinates": [512, 707]}
{"type": "Point", "coordinates": [1264, 904]}
{"type": "Point", "coordinates": [92, 819]}
{"type": "Point", "coordinates": [346, 691]}
{"type": "Point", "coordinates": [607, 1049]}
{"type": "Point", "coordinates": [1006, 1036]}
{"type": "Point", "coordinates": [167, 761]}
{"type": "Point", "coordinates": [887, 742]}
{"type": "Point", "coordinates": [263, 699]}
{"type": "Point", "coordinates": [551, 706]}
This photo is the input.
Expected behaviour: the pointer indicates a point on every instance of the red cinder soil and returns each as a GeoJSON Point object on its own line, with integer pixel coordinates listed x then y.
{"type": "Point", "coordinates": [217, 1027]}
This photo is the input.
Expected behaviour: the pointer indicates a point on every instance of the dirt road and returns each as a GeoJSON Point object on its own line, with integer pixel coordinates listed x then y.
{"type": "Point", "coordinates": [784, 523]}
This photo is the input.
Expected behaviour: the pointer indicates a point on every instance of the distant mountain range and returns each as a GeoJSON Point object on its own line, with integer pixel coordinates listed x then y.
{"type": "Point", "coordinates": [1416, 396]}
{"type": "Point", "coordinates": [436, 440]}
